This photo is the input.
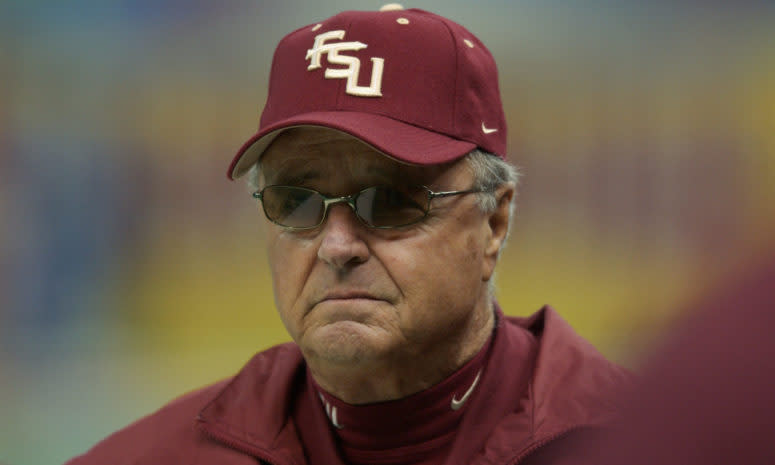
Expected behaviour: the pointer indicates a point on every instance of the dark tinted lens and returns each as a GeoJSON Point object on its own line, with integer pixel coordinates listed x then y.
{"type": "Point", "coordinates": [387, 206]}
{"type": "Point", "coordinates": [294, 207]}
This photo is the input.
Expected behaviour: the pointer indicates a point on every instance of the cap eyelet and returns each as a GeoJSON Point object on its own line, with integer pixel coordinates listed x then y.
{"type": "Point", "coordinates": [316, 27]}
{"type": "Point", "coordinates": [402, 21]}
{"type": "Point", "coordinates": [469, 43]}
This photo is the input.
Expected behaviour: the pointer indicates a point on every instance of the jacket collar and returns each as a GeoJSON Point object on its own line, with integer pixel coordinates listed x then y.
{"type": "Point", "coordinates": [252, 413]}
{"type": "Point", "coordinates": [571, 386]}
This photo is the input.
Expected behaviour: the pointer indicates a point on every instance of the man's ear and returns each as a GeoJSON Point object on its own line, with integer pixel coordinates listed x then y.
{"type": "Point", "coordinates": [498, 227]}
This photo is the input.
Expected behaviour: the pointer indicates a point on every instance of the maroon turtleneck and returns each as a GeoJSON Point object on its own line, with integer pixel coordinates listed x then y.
{"type": "Point", "coordinates": [418, 430]}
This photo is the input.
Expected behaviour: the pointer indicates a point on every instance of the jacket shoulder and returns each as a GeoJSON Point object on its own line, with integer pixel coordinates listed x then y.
{"type": "Point", "coordinates": [168, 435]}
{"type": "Point", "coordinates": [137, 442]}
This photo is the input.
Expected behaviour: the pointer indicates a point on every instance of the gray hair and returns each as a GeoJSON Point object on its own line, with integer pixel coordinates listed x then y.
{"type": "Point", "coordinates": [490, 172]}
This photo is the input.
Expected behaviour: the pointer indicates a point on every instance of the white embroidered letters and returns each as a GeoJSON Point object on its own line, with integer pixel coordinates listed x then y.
{"type": "Point", "coordinates": [374, 89]}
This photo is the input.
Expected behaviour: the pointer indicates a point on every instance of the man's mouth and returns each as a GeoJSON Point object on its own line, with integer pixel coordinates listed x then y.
{"type": "Point", "coordinates": [348, 295]}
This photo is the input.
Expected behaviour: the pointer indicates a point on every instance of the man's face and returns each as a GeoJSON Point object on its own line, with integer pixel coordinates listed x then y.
{"type": "Point", "coordinates": [350, 294]}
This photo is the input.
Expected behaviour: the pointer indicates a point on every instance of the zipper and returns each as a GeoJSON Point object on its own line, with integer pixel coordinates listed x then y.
{"type": "Point", "coordinates": [538, 445]}
{"type": "Point", "coordinates": [236, 444]}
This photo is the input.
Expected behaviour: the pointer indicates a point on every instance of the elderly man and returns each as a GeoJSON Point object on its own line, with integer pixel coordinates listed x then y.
{"type": "Point", "coordinates": [380, 168]}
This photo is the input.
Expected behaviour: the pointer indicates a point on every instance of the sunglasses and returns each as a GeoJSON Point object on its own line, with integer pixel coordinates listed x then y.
{"type": "Point", "coordinates": [382, 207]}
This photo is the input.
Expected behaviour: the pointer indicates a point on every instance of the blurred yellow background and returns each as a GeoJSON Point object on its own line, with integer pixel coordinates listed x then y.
{"type": "Point", "coordinates": [132, 271]}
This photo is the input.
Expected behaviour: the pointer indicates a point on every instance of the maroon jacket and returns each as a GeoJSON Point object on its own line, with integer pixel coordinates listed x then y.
{"type": "Point", "coordinates": [568, 389]}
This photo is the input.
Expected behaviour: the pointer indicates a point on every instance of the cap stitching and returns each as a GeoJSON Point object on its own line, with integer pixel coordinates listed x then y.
{"type": "Point", "coordinates": [457, 75]}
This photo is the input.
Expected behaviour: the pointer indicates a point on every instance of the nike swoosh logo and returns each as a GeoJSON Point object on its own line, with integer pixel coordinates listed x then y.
{"type": "Point", "coordinates": [487, 130]}
{"type": "Point", "coordinates": [457, 403]}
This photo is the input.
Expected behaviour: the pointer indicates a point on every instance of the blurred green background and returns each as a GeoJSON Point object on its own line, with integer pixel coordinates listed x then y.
{"type": "Point", "coordinates": [132, 271]}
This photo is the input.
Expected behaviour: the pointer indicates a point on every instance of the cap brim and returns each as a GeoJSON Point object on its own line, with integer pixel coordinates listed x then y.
{"type": "Point", "coordinates": [396, 139]}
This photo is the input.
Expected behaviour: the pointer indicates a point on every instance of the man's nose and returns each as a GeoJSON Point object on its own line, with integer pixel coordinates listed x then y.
{"type": "Point", "coordinates": [341, 242]}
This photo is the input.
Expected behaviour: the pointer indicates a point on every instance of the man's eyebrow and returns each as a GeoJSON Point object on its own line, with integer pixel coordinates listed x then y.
{"type": "Point", "coordinates": [393, 173]}
{"type": "Point", "coordinates": [383, 174]}
{"type": "Point", "coordinates": [292, 177]}
{"type": "Point", "coordinates": [381, 171]}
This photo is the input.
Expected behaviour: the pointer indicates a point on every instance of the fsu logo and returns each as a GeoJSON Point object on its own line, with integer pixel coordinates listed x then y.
{"type": "Point", "coordinates": [374, 89]}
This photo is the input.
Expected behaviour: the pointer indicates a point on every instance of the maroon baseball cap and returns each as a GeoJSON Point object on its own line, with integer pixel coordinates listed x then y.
{"type": "Point", "coordinates": [413, 85]}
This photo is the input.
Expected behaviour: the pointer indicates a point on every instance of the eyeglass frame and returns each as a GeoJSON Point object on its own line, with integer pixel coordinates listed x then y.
{"type": "Point", "coordinates": [350, 201]}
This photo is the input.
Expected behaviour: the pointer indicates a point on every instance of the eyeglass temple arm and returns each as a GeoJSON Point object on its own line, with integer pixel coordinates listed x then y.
{"type": "Point", "coordinates": [433, 194]}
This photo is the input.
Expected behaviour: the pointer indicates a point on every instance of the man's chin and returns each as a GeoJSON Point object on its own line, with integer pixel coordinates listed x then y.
{"type": "Point", "coordinates": [343, 342]}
